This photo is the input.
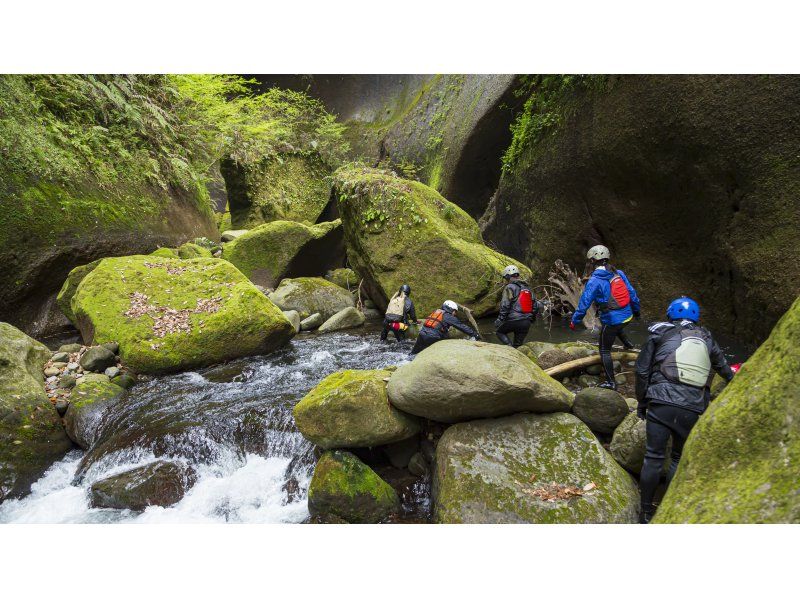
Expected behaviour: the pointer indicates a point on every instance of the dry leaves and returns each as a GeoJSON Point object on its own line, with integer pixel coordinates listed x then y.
{"type": "Point", "coordinates": [167, 320]}
{"type": "Point", "coordinates": [552, 492]}
{"type": "Point", "coordinates": [170, 269]}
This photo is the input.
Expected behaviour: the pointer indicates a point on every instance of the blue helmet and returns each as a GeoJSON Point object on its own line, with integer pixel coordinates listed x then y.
{"type": "Point", "coordinates": [684, 308]}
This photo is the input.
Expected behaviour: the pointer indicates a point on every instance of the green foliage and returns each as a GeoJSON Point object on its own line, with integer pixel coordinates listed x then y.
{"type": "Point", "coordinates": [162, 131]}
{"type": "Point", "coordinates": [545, 109]}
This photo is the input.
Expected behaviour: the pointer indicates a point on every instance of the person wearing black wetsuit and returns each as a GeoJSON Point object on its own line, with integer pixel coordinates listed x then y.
{"type": "Point", "coordinates": [437, 327]}
{"type": "Point", "coordinates": [673, 374]}
{"type": "Point", "coordinates": [517, 309]}
{"type": "Point", "coordinates": [408, 316]}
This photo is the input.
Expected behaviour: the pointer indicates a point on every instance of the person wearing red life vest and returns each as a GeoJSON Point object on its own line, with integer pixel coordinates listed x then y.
{"type": "Point", "coordinates": [518, 309]}
{"type": "Point", "coordinates": [616, 301]}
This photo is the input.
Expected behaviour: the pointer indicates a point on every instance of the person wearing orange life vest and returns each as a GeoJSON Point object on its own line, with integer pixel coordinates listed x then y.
{"type": "Point", "coordinates": [518, 309]}
{"type": "Point", "coordinates": [617, 303]}
{"type": "Point", "coordinates": [436, 327]}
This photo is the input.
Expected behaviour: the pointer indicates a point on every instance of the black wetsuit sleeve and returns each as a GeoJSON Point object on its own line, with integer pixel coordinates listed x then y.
{"type": "Point", "coordinates": [644, 365]}
{"type": "Point", "coordinates": [411, 312]}
{"type": "Point", "coordinates": [719, 363]}
{"type": "Point", "coordinates": [459, 325]}
{"type": "Point", "coordinates": [505, 303]}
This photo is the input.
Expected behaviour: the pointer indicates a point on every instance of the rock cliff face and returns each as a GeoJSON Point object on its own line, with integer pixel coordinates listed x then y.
{"type": "Point", "coordinates": [451, 128]}
{"type": "Point", "coordinates": [692, 181]}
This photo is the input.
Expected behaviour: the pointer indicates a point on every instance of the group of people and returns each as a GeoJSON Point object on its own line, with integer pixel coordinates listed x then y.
{"type": "Point", "coordinates": [673, 371]}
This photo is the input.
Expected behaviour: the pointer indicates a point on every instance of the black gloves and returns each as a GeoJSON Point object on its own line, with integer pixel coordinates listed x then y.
{"type": "Point", "coordinates": [641, 411]}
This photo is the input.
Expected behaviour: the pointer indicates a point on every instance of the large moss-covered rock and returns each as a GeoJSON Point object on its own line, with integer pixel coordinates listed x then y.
{"type": "Point", "coordinates": [457, 380]}
{"type": "Point", "coordinates": [741, 461]}
{"type": "Point", "coordinates": [285, 187]}
{"type": "Point", "coordinates": [74, 278]}
{"type": "Point", "coordinates": [308, 295]}
{"type": "Point", "coordinates": [169, 314]}
{"type": "Point", "coordinates": [88, 401]}
{"type": "Point", "coordinates": [280, 249]}
{"type": "Point", "coordinates": [343, 486]}
{"type": "Point", "coordinates": [351, 409]}
{"type": "Point", "coordinates": [188, 251]}
{"type": "Point", "coordinates": [31, 434]}
{"type": "Point", "coordinates": [344, 277]}
{"type": "Point", "coordinates": [399, 231]}
{"type": "Point", "coordinates": [503, 471]}
{"type": "Point", "coordinates": [162, 484]}
{"type": "Point", "coordinates": [693, 181]}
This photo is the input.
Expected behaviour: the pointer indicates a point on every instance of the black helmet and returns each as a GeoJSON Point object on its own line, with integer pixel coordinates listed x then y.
{"type": "Point", "coordinates": [405, 289]}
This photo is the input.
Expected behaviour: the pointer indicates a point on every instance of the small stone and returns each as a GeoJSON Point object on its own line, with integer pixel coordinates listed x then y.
{"type": "Point", "coordinates": [112, 372]}
{"type": "Point", "coordinates": [61, 356]}
{"type": "Point", "coordinates": [594, 369]}
{"type": "Point", "coordinates": [59, 364]}
{"type": "Point", "coordinates": [97, 359]}
{"type": "Point", "coordinates": [633, 404]}
{"type": "Point", "coordinates": [111, 346]}
{"type": "Point", "coordinates": [617, 366]}
{"type": "Point", "coordinates": [294, 317]}
{"type": "Point", "coordinates": [52, 379]}
{"type": "Point", "coordinates": [125, 380]}
{"type": "Point", "coordinates": [620, 378]}
{"type": "Point", "coordinates": [311, 322]}
{"type": "Point", "coordinates": [586, 380]}
{"type": "Point", "coordinates": [70, 348]}
{"type": "Point", "coordinates": [72, 366]}
{"type": "Point", "coordinates": [601, 409]}
{"type": "Point", "coordinates": [61, 406]}
{"type": "Point", "coordinates": [417, 465]}
{"type": "Point", "coordinates": [51, 371]}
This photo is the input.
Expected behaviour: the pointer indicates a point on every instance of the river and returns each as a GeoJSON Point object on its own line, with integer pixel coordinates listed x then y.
{"type": "Point", "coordinates": [232, 423]}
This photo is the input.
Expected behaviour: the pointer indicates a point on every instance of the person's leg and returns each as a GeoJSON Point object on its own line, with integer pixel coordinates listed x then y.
{"type": "Point", "coordinates": [656, 448]}
{"type": "Point", "coordinates": [423, 342]}
{"type": "Point", "coordinates": [521, 331]}
{"type": "Point", "coordinates": [385, 331]}
{"type": "Point", "coordinates": [684, 420]}
{"type": "Point", "coordinates": [398, 334]}
{"type": "Point", "coordinates": [502, 333]}
{"type": "Point", "coordinates": [607, 336]}
{"type": "Point", "coordinates": [626, 342]}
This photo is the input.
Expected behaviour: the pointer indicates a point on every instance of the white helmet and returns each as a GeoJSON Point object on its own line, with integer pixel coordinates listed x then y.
{"type": "Point", "coordinates": [511, 270]}
{"type": "Point", "coordinates": [598, 252]}
{"type": "Point", "coordinates": [451, 305]}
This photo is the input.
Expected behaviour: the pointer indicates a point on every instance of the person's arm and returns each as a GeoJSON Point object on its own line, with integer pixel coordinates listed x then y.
{"type": "Point", "coordinates": [719, 363]}
{"type": "Point", "coordinates": [505, 304]}
{"type": "Point", "coordinates": [644, 365]}
{"type": "Point", "coordinates": [585, 302]}
{"type": "Point", "coordinates": [635, 306]}
{"type": "Point", "coordinates": [459, 325]}
{"type": "Point", "coordinates": [412, 312]}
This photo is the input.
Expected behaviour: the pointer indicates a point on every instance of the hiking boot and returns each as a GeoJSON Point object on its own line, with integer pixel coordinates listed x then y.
{"type": "Point", "coordinates": [609, 385]}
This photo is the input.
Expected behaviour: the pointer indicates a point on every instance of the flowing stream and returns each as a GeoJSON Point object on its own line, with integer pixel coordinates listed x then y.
{"type": "Point", "coordinates": [233, 424]}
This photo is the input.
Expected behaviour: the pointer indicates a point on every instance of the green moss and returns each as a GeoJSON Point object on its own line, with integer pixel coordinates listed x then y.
{"type": "Point", "coordinates": [308, 295]}
{"type": "Point", "coordinates": [74, 278]}
{"type": "Point", "coordinates": [343, 486]}
{"type": "Point", "coordinates": [285, 187]}
{"type": "Point", "coordinates": [343, 277]}
{"type": "Point", "coordinates": [244, 322]}
{"type": "Point", "coordinates": [165, 252]}
{"type": "Point", "coordinates": [351, 409]}
{"type": "Point", "coordinates": [400, 231]}
{"type": "Point", "coordinates": [741, 460]}
{"type": "Point", "coordinates": [192, 250]}
{"type": "Point", "coordinates": [265, 253]}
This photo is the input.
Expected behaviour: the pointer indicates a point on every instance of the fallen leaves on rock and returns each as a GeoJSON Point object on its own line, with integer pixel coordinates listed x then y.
{"type": "Point", "coordinates": [167, 320]}
{"type": "Point", "coordinates": [170, 269]}
{"type": "Point", "coordinates": [553, 492]}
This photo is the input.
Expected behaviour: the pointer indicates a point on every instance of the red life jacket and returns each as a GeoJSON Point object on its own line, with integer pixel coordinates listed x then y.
{"type": "Point", "coordinates": [434, 320]}
{"type": "Point", "coordinates": [619, 297]}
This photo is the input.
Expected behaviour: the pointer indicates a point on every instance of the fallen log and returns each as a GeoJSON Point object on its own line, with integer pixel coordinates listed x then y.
{"type": "Point", "coordinates": [584, 362]}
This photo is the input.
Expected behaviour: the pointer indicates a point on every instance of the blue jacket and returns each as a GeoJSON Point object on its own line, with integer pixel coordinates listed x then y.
{"type": "Point", "coordinates": [598, 291]}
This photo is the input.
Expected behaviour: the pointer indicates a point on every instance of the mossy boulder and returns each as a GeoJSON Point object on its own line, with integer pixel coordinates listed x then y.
{"type": "Point", "coordinates": [276, 250]}
{"type": "Point", "coordinates": [457, 380]}
{"type": "Point", "coordinates": [504, 471]}
{"type": "Point", "coordinates": [164, 252]}
{"type": "Point", "coordinates": [349, 317]}
{"type": "Point", "coordinates": [170, 315]}
{"type": "Point", "coordinates": [553, 357]}
{"type": "Point", "coordinates": [310, 295]}
{"type": "Point", "coordinates": [741, 461]}
{"type": "Point", "coordinates": [291, 186]}
{"type": "Point", "coordinates": [189, 251]}
{"type": "Point", "coordinates": [343, 277]}
{"type": "Point", "coordinates": [74, 278]}
{"type": "Point", "coordinates": [602, 409]}
{"type": "Point", "coordinates": [161, 484]}
{"type": "Point", "coordinates": [351, 409]}
{"type": "Point", "coordinates": [399, 231]}
{"type": "Point", "coordinates": [344, 487]}
{"type": "Point", "coordinates": [88, 402]}
{"type": "Point", "coordinates": [31, 435]}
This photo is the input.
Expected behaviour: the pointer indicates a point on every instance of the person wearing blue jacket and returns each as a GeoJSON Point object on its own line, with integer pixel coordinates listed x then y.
{"type": "Point", "coordinates": [617, 303]}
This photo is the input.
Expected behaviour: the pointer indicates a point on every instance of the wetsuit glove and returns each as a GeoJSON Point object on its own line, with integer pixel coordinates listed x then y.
{"type": "Point", "coordinates": [641, 411]}
{"type": "Point", "coordinates": [571, 325]}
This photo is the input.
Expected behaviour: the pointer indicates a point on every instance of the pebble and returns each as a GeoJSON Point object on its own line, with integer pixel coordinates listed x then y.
{"type": "Point", "coordinates": [61, 356]}
{"type": "Point", "coordinates": [67, 381]}
{"type": "Point", "coordinates": [52, 379]}
{"type": "Point", "coordinates": [112, 372]}
{"type": "Point", "coordinates": [52, 371]}
{"type": "Point", "coordinates": [61, 406]}
{"type": "Point", "coordinates": [73, 366]}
